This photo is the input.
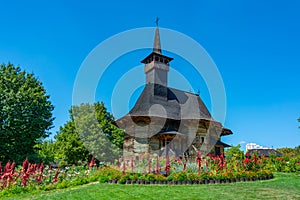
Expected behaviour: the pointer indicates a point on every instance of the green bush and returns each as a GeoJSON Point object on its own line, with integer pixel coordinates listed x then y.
{"type": "Point", "coordinates": [150, 177]}
{"type": "Point", "coordinates": [103, 179]}
{"type": "Point", "coordinates": [62, 185]}
{"type": "Point", "coordinates": [192, 177]}
{"type": "Point", "coordinates": [180, 176]}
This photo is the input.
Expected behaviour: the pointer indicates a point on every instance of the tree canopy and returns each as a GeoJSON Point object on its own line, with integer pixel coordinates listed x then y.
{"type": "Point", "coordinates": [89, 132]}
{"type": "Point", "coordinates": [290, 152]}
{"type": "Point", "coordinates": [25, 113]}
{"type": "Point", "coordinates": [234, 152]}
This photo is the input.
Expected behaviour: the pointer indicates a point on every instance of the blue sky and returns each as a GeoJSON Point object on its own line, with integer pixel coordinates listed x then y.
{"type": "Point", "coordinates": [255, 45]}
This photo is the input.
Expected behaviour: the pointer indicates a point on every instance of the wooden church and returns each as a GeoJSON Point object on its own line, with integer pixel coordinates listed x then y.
{"type": "Point", "coordinates": [166, 120]}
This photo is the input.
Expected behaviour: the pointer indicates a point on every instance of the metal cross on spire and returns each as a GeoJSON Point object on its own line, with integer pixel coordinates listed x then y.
{"type": "Point", "coordinates": [156, 21]}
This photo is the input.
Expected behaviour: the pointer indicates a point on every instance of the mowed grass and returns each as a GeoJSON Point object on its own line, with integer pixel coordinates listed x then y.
{"type": "Point", "coordinates": [283, 186]}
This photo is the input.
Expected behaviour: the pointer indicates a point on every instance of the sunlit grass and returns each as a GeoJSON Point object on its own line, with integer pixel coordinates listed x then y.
{"type": "Point", "coordinates": [283, 186]}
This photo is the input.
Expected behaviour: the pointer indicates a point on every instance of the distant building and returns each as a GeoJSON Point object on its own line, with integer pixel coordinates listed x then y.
{"type": "Point", "coordinates": [265, 152]}
{"type": "Point", "coordinates": [252, 148]}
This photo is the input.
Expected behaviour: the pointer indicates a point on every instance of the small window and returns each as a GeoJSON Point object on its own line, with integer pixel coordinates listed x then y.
{"type": "Point", "coordinates": [202, 140]}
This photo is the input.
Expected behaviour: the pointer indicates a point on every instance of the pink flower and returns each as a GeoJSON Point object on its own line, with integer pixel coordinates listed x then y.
{"type": "Point", "coordinates": [25, 165]}
{"type": "Point", "coordinates": [92, 163]}
{"type": "Point", "coordinates": [199, 161]}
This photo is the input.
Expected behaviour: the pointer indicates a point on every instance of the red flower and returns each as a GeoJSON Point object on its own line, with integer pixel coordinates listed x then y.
{"type": "Point", "coordinates": [255, 158]}
{"type": "Point", "coordinates": [7, 167]}
{"type": "Point", "coordinates": [55, 177]}
{"type": "Point", "coordinates": [149, 165]}
{"type": "Point", "coordinates": [247, 160]}
{"type": "Point", "coordinates": [167, 165]}
{"type": "Point", "coordinates": [92, 163]}
{"type": "Point", "coordinates": [247, 155]}
{"type": "Point", "coordinates": [157, 166]}
{"type": "Point", "coordinates": [123, 167]}
{"type": "Point", "coordinates": [199, 161]}
{"type": "Point", "coordinates": [25, 165]}
{"type": "Point", "coordinates": [132, 165]}
{"type": "Point", "coordinates": [42, 167]}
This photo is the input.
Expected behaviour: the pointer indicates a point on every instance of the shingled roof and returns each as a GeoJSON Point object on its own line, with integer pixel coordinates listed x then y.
{"type": "Point", "coordinates": [265, 152]}
{"type": "Point", "coordinates": [178, 105]}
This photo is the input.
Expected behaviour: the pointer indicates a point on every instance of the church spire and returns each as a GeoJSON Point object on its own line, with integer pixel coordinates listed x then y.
{"type": "Point", "coordinates": [156, 68]}
{"type": "Point", "coordinates": [156, 46]}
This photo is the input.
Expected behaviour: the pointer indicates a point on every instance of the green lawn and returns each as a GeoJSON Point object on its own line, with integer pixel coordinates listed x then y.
{"type": "Point", "coordinates": [283, 186]}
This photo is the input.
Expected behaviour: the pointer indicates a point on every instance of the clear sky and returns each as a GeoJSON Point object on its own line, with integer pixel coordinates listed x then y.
{"type": "Point", "coordinates": [255, 45]}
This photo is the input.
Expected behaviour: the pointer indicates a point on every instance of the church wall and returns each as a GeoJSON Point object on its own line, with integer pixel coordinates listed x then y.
{"type": "Point", "coordinates": [157, 73]}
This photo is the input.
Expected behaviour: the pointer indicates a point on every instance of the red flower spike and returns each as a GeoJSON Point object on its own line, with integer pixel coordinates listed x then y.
{"type": "Point", "coordinates": [184, 164]}
{"type": "Point", "coordinates": [124, 167]}
{"type": "Point", "coordinates": [12, 167]}
{"type": "Point", "coordinates": [157, 166]}
{"type": "Point", "coordinates": [255, 158]}
{"type": "Point", "coordinates": [199, 161]}
{"type": "Point", "coordinates": [149, 165]}
{"type": "Point", "coordinates": [25, 165]}
{"type": "Point", "coordinates": [92, 163]}
{"type": "Point", "coordinates": [167, 165]}
{"type": "Point", "coordinates": [42, 168]}
{"type": "Point", "coordinates": [132, 165]}
{"type": "Point", "coordinates": [55, 177]}
{"type": "Point", "coordinates": [7, 167]}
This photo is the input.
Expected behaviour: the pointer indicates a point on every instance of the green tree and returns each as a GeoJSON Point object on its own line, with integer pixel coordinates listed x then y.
{"type": "Point", "coordinates": [90, 131]}
{"type": "Point", "coordinates": [46, 151]}
{"type": "Point", "coordinates": [106, 123]}
{"type": "Point", "coordinates": [287, 152]}
{"type": "Point", "coordinates": [234, 152]}
{"type": "Point", "coordinates": [25, 114]}
{"type": "Point", "coordinates": [69, 146]}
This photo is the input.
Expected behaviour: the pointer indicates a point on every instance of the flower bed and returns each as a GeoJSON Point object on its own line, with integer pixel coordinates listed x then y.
{"type": "Point", "coordinates": [113, 176]}
{"type": "Point", "coordinates": [34, 177]}
{"type": "Point", "coordinates": [145, 170]}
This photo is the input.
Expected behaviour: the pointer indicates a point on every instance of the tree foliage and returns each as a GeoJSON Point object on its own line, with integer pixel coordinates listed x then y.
{"type": "Point", "coordinates": [90, 132]}
{"type": "Point", "coordinates": [289, 152]}
{"type": "Point", "coordinates": [69, 146]}
{"type": "Point", "coordinates": [25, 113]}
{"type": "Point", "coordinates": [234, 152]}
{"type": "Point", "coordinates": [46, 151]}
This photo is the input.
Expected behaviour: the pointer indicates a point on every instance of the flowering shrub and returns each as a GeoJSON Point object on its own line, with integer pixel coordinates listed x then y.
{"type": "Point", "coordinates": [201, 168]}
{"type": "Point", "coordinates": [38, 176]}
{"type": "Point", "coordinates": [148, 168]}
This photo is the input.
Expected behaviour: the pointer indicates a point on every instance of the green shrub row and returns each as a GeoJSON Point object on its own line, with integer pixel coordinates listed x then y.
{"type": "Point", "coordinates": [106, 174]}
